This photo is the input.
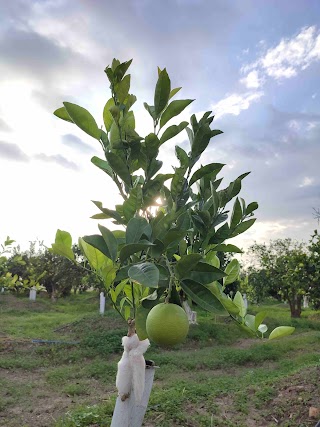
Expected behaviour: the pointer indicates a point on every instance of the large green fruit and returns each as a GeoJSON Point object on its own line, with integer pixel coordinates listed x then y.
{"type": "Point", "coordinates": [167, 324]}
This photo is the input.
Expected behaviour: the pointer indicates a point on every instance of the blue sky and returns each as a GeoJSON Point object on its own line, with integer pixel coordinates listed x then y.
{"type": "Point", "coordinates": [254, 63]}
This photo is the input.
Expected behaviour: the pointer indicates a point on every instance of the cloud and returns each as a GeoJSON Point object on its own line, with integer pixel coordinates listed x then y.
{"type": "Point", "coordinates": [76, 143]}
{"type": "Point", "coordinates": [235, 103]}
{"type": "Point", "coordinates": [306, 182]}
{"type": "Point", "coordinates": [58, 159]}
{"type": "Point", "coordinates": [12, 152]}
{"type": "Point", "coordinates": [289, 57]}
{"type": "Point", "coordinates": [252, 80]}
{"type": "Point", "coordinates": [4, 127]}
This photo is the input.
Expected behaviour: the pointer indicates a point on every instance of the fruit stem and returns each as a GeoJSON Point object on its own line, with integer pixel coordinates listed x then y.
{"type": "Point", "coordinates": [171, 281]}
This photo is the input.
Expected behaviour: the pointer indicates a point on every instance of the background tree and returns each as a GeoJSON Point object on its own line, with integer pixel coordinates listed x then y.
{"type": "Point", "coordinates": [284, 266]}
{"type": "Point", "coordinates": [314, 269]}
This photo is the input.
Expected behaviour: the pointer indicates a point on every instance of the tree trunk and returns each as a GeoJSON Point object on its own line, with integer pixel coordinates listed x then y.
{"type": "Point", "coordinates": [295, 306]}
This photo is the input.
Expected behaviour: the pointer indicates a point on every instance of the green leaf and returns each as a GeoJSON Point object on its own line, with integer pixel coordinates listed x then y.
{"type": "Point", "coordinates": [103, 165]}
{"type": "Point", "coordinates": [232, 271]}
{"type": "Point", "coordinates": [250, 322]}
{"type": "Point", "coordinates": [206, 170]}
{"type": "Point", "coordinates": [174, 92]}
{"type": "Point", "coordinates": [108, 213]}
{"type": "Point", "coordinates": [205, 273]}
{"type": "Point", "coordinates": [83, 119]}
{"type": "Point", "coordinates": [172, 131]}
{"type": "Point", "coordinates": [202, 296]}
{"type": "Point", "coordinates": [212, 259]}
{"type": "Point", "coordinates": [98, 242]}
{"type": "Point", "coordinates": [107, 116]}
{"type": "Point", "coordinates": [182, 156]}
{"type": "Point", "coordinates": [146, 274]}
{"type": "Point", "coordinates": [119, 167]}
{"type": "Point", "coordinates": [173, 235]}
{"type": "Point", "coordinates": [187, 263]}
{"type": "Point", "coordinates": [178, 182]}
{"type": "Point", "coordinates": [152, 145]}
{"type": "Point", "coordinates": [162, 92]}
{"type": "Point", "coordinates": [110, 240]}
{"type": "Point", "coordinates": [136, 228]}
{"type": "Point", "coordinates": [242, 227]}
{"type": "Point", "coordinates": [259, 318]}
{"type": "Point", "coordinates": [96, 258]}
{"type": "Point", "coordinates": [251, 207]}
{"type": "Point", "coordinates": [122, 88]}
{"type": "Point", "coordinates": [227, 303]}
{"type": "Point", "coordinates": [238, 301]}
{"type": "Point", "coordinates": [202, 138]}
{"type": "Point", "coordinates": [281, 331]}
{"type": "Point", "coordinates": [236, 214]}
{"type": "Point", "coordinates": [121, 69]}
{"type": "Point", "coordinates": [150, 109]}
{"type": "Point", "coordinates": [133, 248]}
{"type": "Point", "coordinates": [63, 245]}
{"type": "Point", "coordinates": [228, 248]}
{"type": "Point", "coordinates": [174, 109]}
{"type": "Point", "coordinates": [133, 202]}
{"type": "Point", "coordinates": [63, 114]}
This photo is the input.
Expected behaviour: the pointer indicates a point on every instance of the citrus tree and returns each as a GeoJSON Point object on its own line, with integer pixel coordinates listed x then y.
{"type": "Point", "coordinates": [163, 244]}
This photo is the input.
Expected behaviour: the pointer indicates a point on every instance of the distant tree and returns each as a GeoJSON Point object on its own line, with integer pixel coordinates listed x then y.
{"type": "Point", "coordinates": [314, 248]}
{"type": "Point", "coordinates": [286, 269]}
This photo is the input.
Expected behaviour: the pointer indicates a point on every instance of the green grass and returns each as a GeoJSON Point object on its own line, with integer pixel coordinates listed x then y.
{"type": "Point", "coordinates": [218, 377]}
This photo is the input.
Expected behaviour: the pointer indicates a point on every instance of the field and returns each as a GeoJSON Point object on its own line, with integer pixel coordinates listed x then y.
{"type": "Point", "coordinates": [219, 377]}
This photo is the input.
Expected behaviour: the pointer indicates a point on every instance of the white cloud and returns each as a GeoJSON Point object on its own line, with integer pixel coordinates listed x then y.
{"type": "Point", "coordinates": [290, 56]}
{"type": "Point", "coordinates": [306, 182]}
{"type": "Point", "coordinates": [252, 80]}
{"type": "Point", "coordinates": [235, 103]}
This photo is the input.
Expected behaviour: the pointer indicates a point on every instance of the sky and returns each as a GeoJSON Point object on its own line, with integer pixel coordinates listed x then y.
{"type": "Point", "coordinates": [255, 64]}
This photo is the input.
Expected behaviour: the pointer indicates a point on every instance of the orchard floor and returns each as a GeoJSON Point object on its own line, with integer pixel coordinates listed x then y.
{"type": "Point", "coordinates": [219, 377]}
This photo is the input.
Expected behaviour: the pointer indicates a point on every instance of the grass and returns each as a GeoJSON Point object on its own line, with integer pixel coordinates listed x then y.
{"type": "Point", "coordinates": [219, 377]}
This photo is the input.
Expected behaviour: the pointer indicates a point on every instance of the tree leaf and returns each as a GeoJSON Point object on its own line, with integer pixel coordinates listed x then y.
{"type": "Point", "coordinates": [119, 167]}
{"type": "Point", "coordinates": [238, 301]}
{"type": "Point", "coordinates": [136, 228]}
{"type": "Point", "coordinates": [63, 245]}
{"type": "Point", "coordinates": [122, 88]}
{"type": "Point", "coordinates": [107, 212]}
{"type": "Point", "coordinates": [242, 227]}
{"type": "Point", "coordinates": [202, 296]}
{"type": "Point", "coordinates": [96, 258]}
{"type": "Point", "coordinates": [146, 274]}
{"type": "Point", "coordinates": [98, 242]}
{"type": "Point", "coordinates": [103, 165]}
{"type": "Point", "coordinates": [174, 92]}
{"type": "Point", "coordinates": [205, 273]}
{"type": "Point", "coordinates": [110, 240]}
{"type": "Point", "coordinates": [162, 92]}
{"type": "Point", "coordinates": [182, 156]}
{"type": "Point", "coordinates": [152, 145]}
{"type": "Point", "coordinates": [206, 170]}
{"type": "Point", "coordinates": [133, 248]}
{"type": "Point", "coordinates": [172, 131]}
{"type": "Point", "coordinates": [281, 331]}
{"type": "Point", "coordinates": [228, 248]}
{"type": "Point", "coordinates": [174, 109]}
{"type": "Point", "coordinates": [133, 202]}
{"type": "Point", "coordinates": [232, 270]}
{"type": "Point", "coordinates": [63, 114]}
{"type": "Point", "coordinates": [107, 116]}
{"type": "Point", "coordinates": [251, 207]}
{"type": "Point", "coordinates": [150, 109]}
{"type": "Point", "coordinates": [83, 119]}
{"type": "Point", "coordinates": [259, 318]}
{"type": "Point", "coordinates": [236, 214]}
{"type": "Point", "coordinates": [187, 263]}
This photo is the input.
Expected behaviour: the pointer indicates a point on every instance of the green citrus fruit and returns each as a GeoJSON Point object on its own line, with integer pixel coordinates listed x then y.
{"type": "Point", "coordinates": [167, 324]}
